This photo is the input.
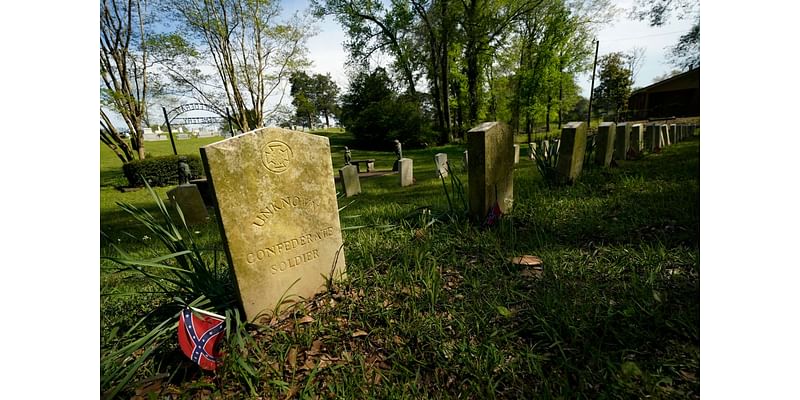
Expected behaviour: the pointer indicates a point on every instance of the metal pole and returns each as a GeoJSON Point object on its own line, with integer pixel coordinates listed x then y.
{"type": "Point", "coordinates": [169, 129]}
{"type": "Point", "coordinates": [591, 91]}
{"type": "Point", "coordinates": [230, 123]}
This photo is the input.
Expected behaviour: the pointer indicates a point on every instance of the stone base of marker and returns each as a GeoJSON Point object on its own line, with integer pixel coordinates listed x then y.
{"type": "Point", "coordinates": [516, 154]}
{"type": "Point", "coordinates": [604, 149]}
{"type": "Point", "coordinates": [205, 190]}
{"type": "Point", "coordinates": [406, 166]}
{"type": "Point", "coordinates": [189, 199]}
{"type": "Point", "coordinates": [571, 151]}
{"type": "Point", "coordinates": [348, 176]}
{"type": "Point", "coordinates": [491, 169]}
{"type": "Point", "coordinates": [440, 160]}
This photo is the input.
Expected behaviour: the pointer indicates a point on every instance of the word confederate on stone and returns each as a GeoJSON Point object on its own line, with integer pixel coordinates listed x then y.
{"type": "Point", "coordinates": [278, 213]}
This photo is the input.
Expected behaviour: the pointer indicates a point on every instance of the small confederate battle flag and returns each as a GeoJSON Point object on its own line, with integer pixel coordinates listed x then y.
{"type": "Point", "coordinates": [198, 333]}
{"type": "Point", "coordinates": [494, 215]}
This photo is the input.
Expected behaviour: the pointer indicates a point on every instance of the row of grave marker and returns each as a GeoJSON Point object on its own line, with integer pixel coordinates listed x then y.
{"type": "Point", "coordinates": [277, 207]}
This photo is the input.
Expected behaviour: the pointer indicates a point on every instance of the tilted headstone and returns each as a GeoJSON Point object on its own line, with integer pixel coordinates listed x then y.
{"type": "Point", "coordinates": [622, 140]}
{"type": "Point", "coordinates": [672, 136]}
{"type": "Point", "coordinates": [491, 169]}
{"type": "Point", "coordinates": [572, 148]}
{"type": "Point", "coordinates": [348, 176]}
{"type": "Point", "coordinates": [662, 136]}
{"type": "Point", "coordinates": [278, 212]}
{"type": "Point", "coordinates": [606, 133]}
{"type": "Point", "coordinates": [440, 159]}
{"type": "Point", "coordinates": [516, 154]}
{"type": "Point", "coordinates": [189, 199]}
{"type": "Point", "coordinates": [406, 166]}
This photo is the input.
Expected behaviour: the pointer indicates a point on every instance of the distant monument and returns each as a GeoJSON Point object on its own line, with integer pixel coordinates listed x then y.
{"type": "Point", "coordinates": [398, 152]}
{"type": "Point", "coordinates": [347, 156]}
{"type": "Point", "coordinates": [184, 172]}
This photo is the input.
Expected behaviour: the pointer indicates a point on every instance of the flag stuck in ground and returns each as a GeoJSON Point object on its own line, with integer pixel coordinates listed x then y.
{"type": "Point", "coordinates": [198, 332]}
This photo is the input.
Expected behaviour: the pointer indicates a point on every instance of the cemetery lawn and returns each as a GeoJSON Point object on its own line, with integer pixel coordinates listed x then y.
{"type": "Point", "coordinates": [432, 307]}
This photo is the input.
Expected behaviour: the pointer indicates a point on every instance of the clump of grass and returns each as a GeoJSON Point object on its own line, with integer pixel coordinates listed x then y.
{"type": "Point", "coordinates": [184, 276]}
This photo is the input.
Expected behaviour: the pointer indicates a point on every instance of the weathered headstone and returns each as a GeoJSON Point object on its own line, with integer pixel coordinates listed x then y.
{"type": "Point", "coordinates": [531, 151]}
{"type": "Point", "coordinates": [662, 136]}
{"type": "Point", "coordinates": [466, 159]}
{"type": "Point", "coordinates": [637, 137]}
{"type": "Point", "coordinates": [516, 154]}
{"type": "Point", "coordinates": [440, 160]}
{"type": "Point", "coordinates": [189, 199]}
{"type": "Point", "coordinates": [491, 169]}
{"type": "Point", "coordinates": [572, 148]}
{"type": "Point", "coordinates": [546, 146]}
{"type": "Point", "coordinates": [672, 136]}
{"type": "Point", "coordinates": [606, 133]}
{"type": "Point", "coordinates": [622, 140]}
{"type": "Point", "coordinates": [278, 212]}
{"type": "Point", "coordinates": [348, 176]}
{"type": "Point", "coordinates": [406, 166]}
{"type": "Point", "coordinates": [651, 137]}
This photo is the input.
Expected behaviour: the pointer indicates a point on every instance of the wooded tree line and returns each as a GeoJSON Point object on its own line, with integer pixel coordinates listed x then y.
{"type": "Point", "coordinates": [453, 64]}
{"type": "Point", "coordinates": [510, 60]}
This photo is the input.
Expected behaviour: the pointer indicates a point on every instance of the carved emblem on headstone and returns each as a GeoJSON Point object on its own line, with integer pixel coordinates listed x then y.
{"type": "Point", "coordinates": [276, 156]}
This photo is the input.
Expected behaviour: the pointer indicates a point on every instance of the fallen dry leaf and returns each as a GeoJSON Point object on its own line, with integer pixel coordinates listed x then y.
{"type": "Point", "coordinates": [305, 320]}
{"type": "Point", "coordinates": [315, 347]}
{"type": "Point", "coordinates": [527, 260]}
{"type": "Point", "coordinates": [292, 357]}
{"type": "Point", "coordinates": [360, 333]}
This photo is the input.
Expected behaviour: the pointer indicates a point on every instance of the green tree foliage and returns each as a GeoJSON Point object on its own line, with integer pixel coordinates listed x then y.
{"type": "Point", "coordinates": [611, 94]}
{"type": "Point", "coordinates": [124, 75]}
{"type": "Point", "coordinates": [253, 54]}
{"type": "Point", "coordinates": [313, 97]}
{"type": "Point", "coordinates": [686, 53]}
{"type": "Point", "coordinates": [376, 114]}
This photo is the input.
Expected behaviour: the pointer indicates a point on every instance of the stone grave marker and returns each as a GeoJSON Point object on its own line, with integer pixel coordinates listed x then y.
{"type": "Point", "coordinates": [491, 170]}
{"type": "Point", "coordinates": [672, 136]}
{"type": "Point", "coordinates": [516, 154]}
{"type": "Point", "coordinates": [190, 200]}
{"type": "Point", "coordinates": [466, 158]}
{"type": "Point", "coordinates": [531, 151]}
{"type": "Point", "coordinates": [637, 137]}
{"type": "Point", "coordinates": [546, 146]}
{"type": "Point", "coordinates": [440, 159]}
{"type": "Point", "coordinates": [651, 137]}
{"type": "Point", "coordinates": [622, 140]}
{"type": "Point", "coordinates": [348, 176]}
{"type": "Point", "coordinates": [278, 213]}
{"type": "Point", "coordinates": [662, 136]}
{"type": "Point", "coordinates": [606, 133]}
{"type": "Point", "coordinates": [406, 166]}
{"type": "Point", "coordinates": [572, 149]}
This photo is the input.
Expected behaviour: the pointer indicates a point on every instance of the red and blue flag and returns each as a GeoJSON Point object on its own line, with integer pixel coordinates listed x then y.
{"type": "Point", "coordinates": [197, 336]}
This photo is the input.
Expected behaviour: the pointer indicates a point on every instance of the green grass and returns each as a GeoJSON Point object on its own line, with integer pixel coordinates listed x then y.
{"type": "Point", "coordinates": [615, 313]}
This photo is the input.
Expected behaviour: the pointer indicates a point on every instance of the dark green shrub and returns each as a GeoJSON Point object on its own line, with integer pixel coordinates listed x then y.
{"type": "Point", "coordinates": [161, 170]}
{"type": "Point", "coordinates": [376, 114]}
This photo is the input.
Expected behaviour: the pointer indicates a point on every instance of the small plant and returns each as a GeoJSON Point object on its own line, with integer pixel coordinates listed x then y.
{"type": "Point", "coordinates": [183, 273]}
{"type": "Point", "coordinates": [546, 158]}
{"type": "Point", "coordinates": [457, 203]}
